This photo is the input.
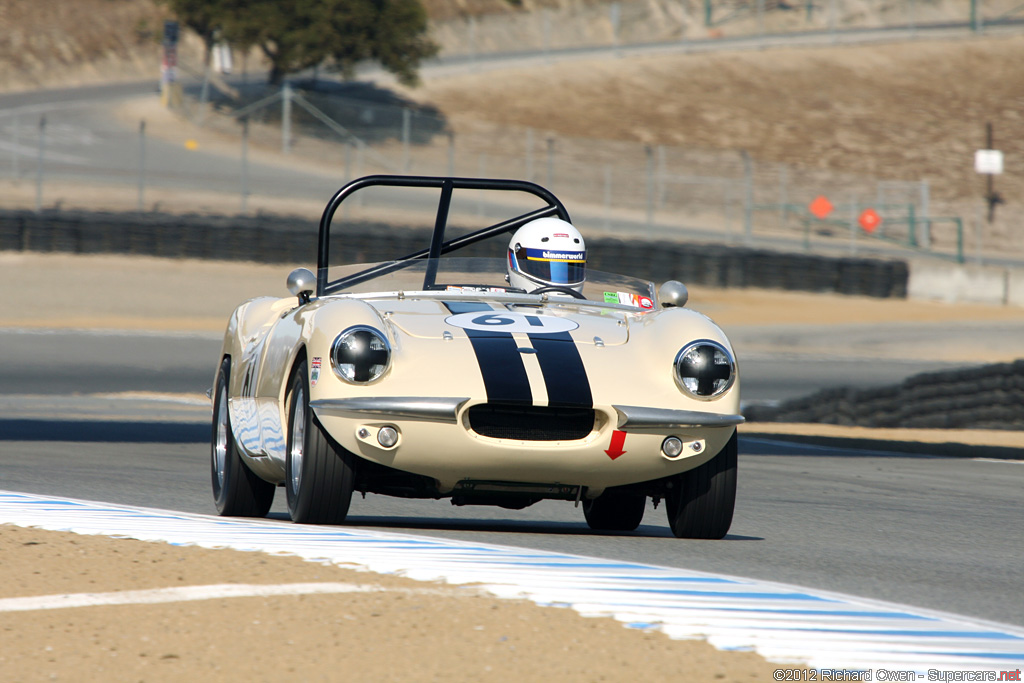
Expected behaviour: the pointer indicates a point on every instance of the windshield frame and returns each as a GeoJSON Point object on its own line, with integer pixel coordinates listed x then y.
{"type": "Point", "coordinates": [472, 278]}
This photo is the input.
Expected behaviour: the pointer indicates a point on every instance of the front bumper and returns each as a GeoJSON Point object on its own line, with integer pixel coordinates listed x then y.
{"type": "Point", "coordinates": [436, 440]}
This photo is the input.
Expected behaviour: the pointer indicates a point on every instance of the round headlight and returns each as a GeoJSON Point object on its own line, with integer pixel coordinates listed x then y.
{"type": "Point", "coordinates": [360, 354]}
{"type": "Point", "coordinates": [705, 369]}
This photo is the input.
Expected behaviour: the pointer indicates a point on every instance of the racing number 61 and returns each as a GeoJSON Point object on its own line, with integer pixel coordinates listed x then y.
{"type": "Point", "coordinates": [496, 320]}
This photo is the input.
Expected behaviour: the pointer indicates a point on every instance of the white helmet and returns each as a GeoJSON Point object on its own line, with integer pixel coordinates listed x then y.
{"type": "Point", "coordinates": [547, 251]}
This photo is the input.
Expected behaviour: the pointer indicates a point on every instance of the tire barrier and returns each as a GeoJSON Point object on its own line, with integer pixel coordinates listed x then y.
{"type": "Point", "coordinates": [982, 397]}
{"type": "Point", "coordinates": [289, 239]}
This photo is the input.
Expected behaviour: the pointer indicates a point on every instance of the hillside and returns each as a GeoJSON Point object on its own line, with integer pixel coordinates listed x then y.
{"type": "Point", "coordinates": [889, 111]}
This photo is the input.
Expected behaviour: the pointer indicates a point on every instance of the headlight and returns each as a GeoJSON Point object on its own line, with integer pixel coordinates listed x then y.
{"type": "Point", "coordinates": [705, 369]}
{"type": "Point", "coordinates": [360, 354]}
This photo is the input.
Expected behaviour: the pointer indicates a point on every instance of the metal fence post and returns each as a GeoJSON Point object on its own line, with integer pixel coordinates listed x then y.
{"type": "Point", "coordinates": [649, 152]}
{"type": "Point", "coordinates": [286, 117]}
{"type": "Point", "coordinates": [472, 42]}
{"type": "Point", "coordinates": [911, 226]}
{"type": "Point", "coordinates": [615, 17]}
{"type": "Point", "coordinates": [451, 154]}
{"type": "Point", "coordinates": [16, 143]}
{"type": "Point", "coordinates": [142, 165]}
{"type": "Point", "coordinates": [661, 176]}
{"type": "Point", "coordinates": [959, 240]}
{"type": "Point", "coordinates": [348, 160]}
{"type": "Point", "coordinates": [607, 197]}
{"type": "Point", "coordinates": [833, 16]}
{"type": "Point", "coordinates": [926, 224]}
{"type": "Point", "coordinates": [551, 162]}
{"type": "Point", "coordinates": [783, 196]}
{"type": "Point", "coordinates": [39, 164]}
{"type": "Point", "coordinates": [406, 134]}
{"type": "Point", "coordinates": [853, 226]}
{"type": "Point", "coordinates": [547, 35]}
{"type": "Point", "coordinates": [529, 154]}
{"type": "Point", "coordinates": [748, 196]}
{"type": "Point", "coordinates": [481, 172]}
{"type": "Point", "coordinates": [245, 163]}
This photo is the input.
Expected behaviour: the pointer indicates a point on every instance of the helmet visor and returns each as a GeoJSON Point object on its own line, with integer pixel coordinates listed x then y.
{"type": "Point", "coordinates": [556, 267]}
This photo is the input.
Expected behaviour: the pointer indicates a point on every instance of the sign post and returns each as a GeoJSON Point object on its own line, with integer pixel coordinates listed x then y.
{"type": "Point", "coordinates": [170, 88]}
{"type": "Point", "coordinates": [989, 162]}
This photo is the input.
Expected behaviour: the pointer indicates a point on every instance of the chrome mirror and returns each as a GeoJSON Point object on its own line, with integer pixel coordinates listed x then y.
{"type": "Point", "coordinates": [673, 294]}
{"type": "Point", "coordinates": [302, 283]}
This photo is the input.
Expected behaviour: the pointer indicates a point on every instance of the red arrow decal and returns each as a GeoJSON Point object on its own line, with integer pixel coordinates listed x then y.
{"type": "Point", "coordinates": [615, 447]}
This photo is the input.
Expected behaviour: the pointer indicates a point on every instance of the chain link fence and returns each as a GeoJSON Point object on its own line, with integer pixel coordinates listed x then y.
{"type": "Point", "coordinates": [615, 187]}
{"type": "Point", "coordinates": [288, 150]}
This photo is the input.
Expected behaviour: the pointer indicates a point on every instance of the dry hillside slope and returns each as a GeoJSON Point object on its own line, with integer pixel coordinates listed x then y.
{"type": "Point", "coordinates": [899, 111]}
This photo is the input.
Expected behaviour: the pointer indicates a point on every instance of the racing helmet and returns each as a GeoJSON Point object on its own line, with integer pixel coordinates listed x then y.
{"type": "Point", "coordinates": [547, 251]}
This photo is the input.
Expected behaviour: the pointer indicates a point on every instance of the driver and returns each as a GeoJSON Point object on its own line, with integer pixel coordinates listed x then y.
{"type": "Point", "coordinates": [547, 252]}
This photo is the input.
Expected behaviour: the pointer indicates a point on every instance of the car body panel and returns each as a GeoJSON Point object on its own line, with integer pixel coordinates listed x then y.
{"type": "Point", "coordinates": [634, 370]}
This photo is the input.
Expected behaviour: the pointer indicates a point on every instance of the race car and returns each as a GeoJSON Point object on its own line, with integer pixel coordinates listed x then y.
{"type": "Point", "coordinates": [479, 367]}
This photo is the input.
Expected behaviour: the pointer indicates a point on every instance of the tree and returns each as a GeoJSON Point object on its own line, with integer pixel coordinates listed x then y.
{"type": "Point", "coordinates": [300, 34]}
{"type": "Point", "coordinates": [202, 16]}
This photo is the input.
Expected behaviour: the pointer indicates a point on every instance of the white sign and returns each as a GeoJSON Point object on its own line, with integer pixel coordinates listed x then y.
{"type": "Point", "coordinates": [988, 161]}
{"type": "Point", "coordinates": [511, 322]}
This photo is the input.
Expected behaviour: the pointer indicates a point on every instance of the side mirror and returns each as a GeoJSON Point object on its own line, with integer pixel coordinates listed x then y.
{"type": "Point", "coordinates": [673, 294]}
{"type": "Point", "coordinates": [302, 283]}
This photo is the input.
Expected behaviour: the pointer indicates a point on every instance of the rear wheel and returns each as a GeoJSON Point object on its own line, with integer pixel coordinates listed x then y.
{"type": "Point", "coordinates": [319, 476]}
{"type": "Point", "coordinates": [237, 491]}
{"type": "Point", "coordinates": [701, 501]}
{"type": "Point", "coordinates": [615, 511]}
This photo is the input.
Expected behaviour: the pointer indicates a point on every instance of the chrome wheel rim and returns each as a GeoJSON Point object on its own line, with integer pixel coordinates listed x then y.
{"type": "Point", "coordinates": [220, 448]}
{"type": "Point", "coordinates": [298, 439]}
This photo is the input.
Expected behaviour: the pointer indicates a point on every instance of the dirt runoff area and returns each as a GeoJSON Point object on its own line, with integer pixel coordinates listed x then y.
{"type": "Point", "coordinates": [401, 630]}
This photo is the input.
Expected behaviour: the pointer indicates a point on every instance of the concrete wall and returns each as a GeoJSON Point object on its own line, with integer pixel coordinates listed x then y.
{"type": "Point", "coordinates": [954, 283]}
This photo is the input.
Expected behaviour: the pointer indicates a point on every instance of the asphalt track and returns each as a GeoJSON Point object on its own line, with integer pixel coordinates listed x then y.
{"type": "Point", "coordinates": [60, 362]}
{"type": "Point", "coordinates": [938, 533]}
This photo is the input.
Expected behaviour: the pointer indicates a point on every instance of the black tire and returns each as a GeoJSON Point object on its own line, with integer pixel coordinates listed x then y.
{"type": "Point", "coordinates": [701, 501]}
{"type": "Point", "coordinates": [615, 511]}
{"type": "Point", "coordinates": [237, 491]}
{"type": "Point", "coordinates": [319, 476]}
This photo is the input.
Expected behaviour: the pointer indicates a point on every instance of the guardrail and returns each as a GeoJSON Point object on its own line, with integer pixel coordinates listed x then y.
{"type": "Point", "coordinates": [985, 397]}
{"type": "Point", "coordinates": [275, 239]}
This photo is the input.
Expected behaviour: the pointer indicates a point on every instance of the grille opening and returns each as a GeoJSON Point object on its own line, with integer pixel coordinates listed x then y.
{"type": "Point", "coordinates": [531, 423]}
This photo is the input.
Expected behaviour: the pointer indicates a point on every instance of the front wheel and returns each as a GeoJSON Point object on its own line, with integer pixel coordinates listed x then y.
{"type": "Point", "coordinates": [319, 477]}
{"type": "Point", "coordinates": [615, 511]}
{"type": "Point", "coordinates": [237, 491]}
{"type": "Point", "coordinates": [701, 501]}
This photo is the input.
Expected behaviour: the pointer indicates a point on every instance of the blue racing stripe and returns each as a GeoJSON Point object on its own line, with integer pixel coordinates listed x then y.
{"type": "Point", "coordinates": [497, 354]}
{"type": "Point", "coordinates": [564, 375]}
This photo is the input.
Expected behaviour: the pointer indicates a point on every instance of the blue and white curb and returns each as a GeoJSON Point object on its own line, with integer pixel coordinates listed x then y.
{"type": "Point", "coordinates": [781, 623]}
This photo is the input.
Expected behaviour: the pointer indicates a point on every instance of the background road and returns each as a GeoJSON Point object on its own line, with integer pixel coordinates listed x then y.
{"type": "Point", "coordinates": [53, 362]}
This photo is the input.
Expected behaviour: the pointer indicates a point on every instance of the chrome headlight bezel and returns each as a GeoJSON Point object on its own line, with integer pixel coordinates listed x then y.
{"type": "Point", "coordinates": [344, 367]}
{"type": "Point", "coordinates": [689, 381]}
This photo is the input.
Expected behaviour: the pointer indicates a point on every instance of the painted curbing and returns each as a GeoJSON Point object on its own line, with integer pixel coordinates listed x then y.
{"type": "Point", "coordinates": [782, 623]}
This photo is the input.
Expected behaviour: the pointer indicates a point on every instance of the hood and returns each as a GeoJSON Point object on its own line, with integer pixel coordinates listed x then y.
{"type": "Point", "coordinates": [431, 319]}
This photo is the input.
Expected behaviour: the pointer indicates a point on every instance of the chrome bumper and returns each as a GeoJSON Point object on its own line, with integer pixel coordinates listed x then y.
{"type": "Point", "coordinates": [435, 409]}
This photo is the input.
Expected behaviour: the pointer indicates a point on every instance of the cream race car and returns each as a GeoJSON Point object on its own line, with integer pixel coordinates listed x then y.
{"type": "Point", "coordinates": [431, 375]}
